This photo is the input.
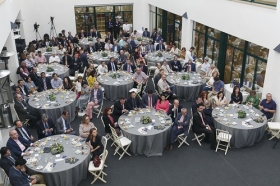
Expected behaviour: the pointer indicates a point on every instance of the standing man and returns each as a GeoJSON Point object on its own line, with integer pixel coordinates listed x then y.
{"type": "Point", "coordinates": [146, 33]}
{"type": "Point", "coordinates": [84, 60]}
{"type": "Point", "coordinates": [66, 59]}
{"type": "Point", "coordinates": [189, 54]}
{"type": "Point", "coordinates": [126, 26]}
{"type": "Point", "coordinates": [117, 28]}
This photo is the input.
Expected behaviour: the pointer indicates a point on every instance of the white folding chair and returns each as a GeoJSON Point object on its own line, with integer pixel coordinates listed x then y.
{"type": "Point", "coordinates": [274, 129]}
{"type": "Point", "coordinates": [223, 136]}
{"type": "Point", "coordinates": [269, 120]}
{"type": "Point", "coordinates": [97, 109]}
{"type": "Point", "coordinates": [108, 135]}
{"type": "Point", "coordinates": [5, 178]}
{"type": "Point", "coordinates": [182, 138]}
{"type": "Point", "coordinates": [98, 172]}
{"type": "Point", "coordinates": [137, 90]}
{"type": "Point", "coordinates": [72, 78]}
{"type": "Point", "coordinates": [151, 68]}
{"type": "Point", "coordinates": [122, 143]}
{"type": "Point", "coordinates": [153, 80]}
{"type": "Point", "coordinates": [24, 122]}
{"type": "Point", "coordinates": [104, 143]}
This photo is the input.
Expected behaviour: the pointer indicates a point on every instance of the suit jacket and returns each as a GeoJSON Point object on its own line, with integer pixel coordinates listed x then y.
{"type": "Point", "coordinates": [138, 103]}
{"type": "Point", "coordinates": [172, 112]}
{"type": "Point", "coordinates": [132, 68]}
{"type": "Point", "coordinates": [91, 34]}
{"type": "Point", "coordinates": [25, 128]}
{"type": "Point", "coordinates": [25, 89]}
{"type": "Point", "coordinates": [75, 65]}
{"type": "Point", "coordinates": [192, 66]}
{"type": "Point", "coordinates": [69, 60]}
{"type": "Point", "coordinates": [20, 110]}
{"type": "Point", "coordinates": [122, 58]}
{"type": "Point", "coordinates": [133, 44]}
{"type": "Point", "coordinates": [110, 66]}
{"type": "Point", "coordinates": [60, 127]}
{"type": "Point", "coordinates": [197, 122]}
{"type": "Point", "coordinates": [41, 84]}
{"type": "Point", "coordinates": [34, 77]}
{"type": "Point", "coordinates": [91, 48]}
{"type": "Point", "coordinates": [159, 38]}
{"type": "Point", "coordinates": [99, 46]}
{"type": "Point", "coordinates": [178, 64]}
{"type": "Point", "coordinates": [70, 37]}
{"type": "Point", "coordinates": [146, 34]}
{"type": "Point", "coordinates": [184, 124]}
{"type": "Point", "coordinates": [154, 36]}
{"type": "Point", "coordinates": [40, 128]}
{"type": "Point", "coordinates": [94, 34]}
{"type": "Point", "coordinates": [194, 109]}
{"type": "Point", "coordinates": [145, 100]}
{"type": "Point", "coordinates": [17, 178]}
{"type": "Point", "coordinates": [6, 163]}
{"type": "Point", "coordinates": [107, 123]}
{"type": "Point", "coordinates": [144, 69]}
{"type": "Point", "coordinates": [80, 35]}
{"type": "Point", "coordinates": [162, 47]}
{"type": "Point", "coordinates": [118, 48]}
{"type": "Point", "coordinates": [150, 48]}
{"type": "Point", "coordinates": [118, 108]}
{"type": "Point", "coordinates": [84, 60]}
{"type": "Point", "coordinates": [156, 79]}
{"type": "Point", "coordinates": [110, 38]}
{"type": "Point", "coordinates": [13, 146]}
{"type": "Point", "coordinates": [99, 96]}
{"type": "Point", "coordinates": [117, 26]}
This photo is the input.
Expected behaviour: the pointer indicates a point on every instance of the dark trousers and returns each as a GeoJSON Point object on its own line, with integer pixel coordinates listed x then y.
{"type": "Point", "coordinates": [210, 135]}
{"type": "Point", "coordinates": [32, 119]}
{"type": "Point", "coordinates": [174, 133]}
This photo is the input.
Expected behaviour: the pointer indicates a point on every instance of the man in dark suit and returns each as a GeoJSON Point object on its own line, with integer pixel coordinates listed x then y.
{"type": "Point", "coordinates": [120, 107]}
{"type": "Point", "coordinates": [96, 98]}
{"type": "Point", "coordinates": [132, 43]}
{"type": "Point", "coordinates": [116, 47]}
{"type": "Point", "coordinates": [176, 65]}
{"type": "Point", "coordinates": [110, 37]}
{"type": "Point", "coordinates": [98, 45]}
{"type": "Point", "coordinates": [17, 144]}
{"type": "Point", "coordinates": [7, 160]}
{"type": "Point", "coordinates": [150, 47]}
{"type": "Point", "coordinates": [117, 26]}
{"type": "Point", "coordinates": [143, 67]}
{"type": "Point", "coordinates": [44, 82]}
{"type": "Point", "coordinates": [17, 91]}
{"type": "Point", "coordinates": [70, 37]}
{"type": "Point", "coordinates": [198, 100]}
{"type": "Point", "coordinates": [23, 131]}
{"type": "Point", "coordinates": [22, 87]}
{"type": "Point", "coordinates": [158, 38]}
{"type": "Point", "coordinates": [96, 33]}
{"type": "Point", "coordinates": [75, 65]}
{"type": "Point", "coordinates": [189, 66]}
{"type": "Point", "coordinates": [91, 33]}
{"type": "Point", "coordinates": [160, 46]}
{"type": "Point", "coordinates": [175, 109]}
{"type": "Point", "coordinates": [134, 102]}
{"type": "Point", "coordinates": [75, 39]}
{"type": "Point", "coordinates": [149, 100]}
{"type": "Point", "coordinates": [201, 126]}
{"type": "Point", "coordinates": [45, 127]}
{"type": "Point", "coordinates": [63, 126]}
{"type": "Point", "coordinates": [33, 75]}
{"type": "Point", "coordinates": [146, 33]}
{"type": "Point", "coordinates": [82, 34]}
{"type": "Point", "coordinates": [24, 113]}
{"type": "Point", "coordinates": [112, 65]}
{"type": "Point", "coordinates": [91, 48]}
{"type": "Point", "coordinates": [122, 58]}
{"type": "Point", "coordinates": [84, 60]}
{"type": "Point", "coordinates": [181, 125]}
{"type": "Point", "coordinates": [66, 59]}
{"type": "Point", "coordinates": [154, 35]}
{"type": "Point", "coordinates": [129, 67]}
{"type": "Point", "coordinates": [158, 77]}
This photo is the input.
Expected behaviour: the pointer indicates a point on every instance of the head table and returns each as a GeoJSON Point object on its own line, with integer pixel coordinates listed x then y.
{"type": "Point", "coordinates": [245, 131]}
{"type": "Point", "coordinates": [116, 84]}
{"type": "Point", "coordinates": [61, 70]}
{"type": "Point", "coordinates": [64, 171]}
{"type": "Point", "coordinates": [98, 57]}
{"type": "Point", "coordinates": [145, 138]}
{"type": "Point", "coordinates": [64, 100]}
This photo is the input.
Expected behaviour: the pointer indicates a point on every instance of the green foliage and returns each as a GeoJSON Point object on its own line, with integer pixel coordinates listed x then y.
{"type": "Point", "coordinates": [49, 49]}
{"type": "Point", "coordinates": [52, 97]}
{"type": "Point", "coordinates": [241, 114]}
{"type": "Point", "coordinates": [185, 77]}
{"type": "Point", "coordinates": [50, 69]}
{"type": "Point", "coordinates": [56, 148]}
{"type": "Point", "coordinates": [145, 120]}
{"type": "Point", "coordinates": [104, 54]}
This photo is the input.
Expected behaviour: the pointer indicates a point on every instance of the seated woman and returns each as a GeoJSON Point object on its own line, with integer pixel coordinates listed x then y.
{"type": "Point", "coordinates": [30, 85]}
{"type": "Point", "coordinates": [67, 83]}
{"type": "Point", "coordinates": [220, 99]}
{"type": "Point", "coordinates": [109, 119]}
{"type": "Point", "coordinates": [236, 96]}
{"type": "Point", "coordinates": [209, 84]}
{"type": "Point", "coordinates": [183, 53]}
{"type": "Point", "coordinates": [94, 142]}
{"type": "Point", "coordinates": [162, 104]}
{"type": "Point", "coordinates": [85, 127]}
{"type": "Point", "coordinates": [84, 96]}
{"type": "Point", "coordinates": [169, 46]}
{"type": "Point", "coordinates": [252, 99]}
{"type": "Point", "coordinates": [174, 49]}
{"type": "Point", "coordinates": [91, 79]}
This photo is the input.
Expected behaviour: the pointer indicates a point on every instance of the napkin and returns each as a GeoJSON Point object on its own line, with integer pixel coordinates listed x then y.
{"type": "Point", "coordinates": [49, 167]}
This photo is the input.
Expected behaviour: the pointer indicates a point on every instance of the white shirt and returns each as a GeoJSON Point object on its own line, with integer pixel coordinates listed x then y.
{"type": "Point", "coordinates": [163, 85]}
{"type": "Point", "coordinates": [108, 46]}
{"type": "Point", "coordinates": [166, 69]}
{"type": "Point", "coordinates": [78, 86]}
{"type": "Point", "coordinates": [205, 67]}
{"type": "Point", "coordinates": [143, 49]}
{"type": "Point", "coordinates": [126, 27]}
{"type": "Point", "coordinates": [210, 82]}
{"type": "Point", "coordinates": [54, 59]}
{"type": "Point", "coordinates": [189, 56]}
{"type": "Point", "coordinates": [101, 69]}
{"type": "Point", "coordinates": [29, 63]}
{"type": "Point", "coordinates": [156, 72]}
{"type": "Point", "coordinates": [176, 51]}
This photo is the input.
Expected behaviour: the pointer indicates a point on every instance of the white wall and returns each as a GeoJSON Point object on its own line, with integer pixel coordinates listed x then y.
{"type": "Point", "coordinates": [63, 11]}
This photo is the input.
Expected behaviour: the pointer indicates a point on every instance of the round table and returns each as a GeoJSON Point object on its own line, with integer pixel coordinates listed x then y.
{"type": "Point", "coordinates": [116, 87]}
{"type": "Point", "coordinates": [143, 39]}
{"type": "Point", "coordinates": [97, 58]}
{"type": "Point", "coordinates": [186, 89]}
{"type": "Point", "coordinates": [242, 136]}
{"type": "Point", "coordinates": [65, 100]}
{"type": "Point", "coordinates": [63, 174]}
{"type": "Point", "coordinates": [153, 57]}
{"type": "Point", "coordinates": [154, 141]}
{"type": "Point", "coordinates": [85, 42]}
{"type": "Point", "coordinates": [61, 70]}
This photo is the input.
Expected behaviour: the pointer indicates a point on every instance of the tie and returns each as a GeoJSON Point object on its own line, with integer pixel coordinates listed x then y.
{"type": "Point", "coordinates": [150, 102]}
{"type": "Point", "coordinates": [66, 61]}
{"type": "Point", "coordinates": [134, 105]}
{"type": "Point", "coordinates": [150, 47]}
{"type": "Point", "coordinates": [159, 47]}
{"type": "Point", "coordinates": [202, 119]}
{"type": "Point", "coordinates": [128, 68]}
{"type": "Point", "coordinates": [113, 66]}
{"type": "Point", "coordinates": [167, 69]}
{"type": "Point", "coordinates": [66, 125]}
{"type": "Point", "coordinates": [47, 127]}
{"type": "Point", "coordinates": [12, 159]}
{"type": "Point", "coordinates": [45, 84]}
{"type": "Point", "coordinates": [175, 113]}
{"type": "Point", "coordinates": [123, 106]}
{"type": "Point", "coordinates": [24, 133]}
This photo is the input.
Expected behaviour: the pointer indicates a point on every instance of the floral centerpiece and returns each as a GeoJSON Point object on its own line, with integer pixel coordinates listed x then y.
{"type": "Point", "coordinates": [185, 77]}
{"type": "Point", "coordinates": [50, 69]}
{"type": "Point", "coordinates": [259, 120]}
{"type": "Point", "coordinates": [52, 97]}
{"type": "Point", "coordinates": [90, 39]}
{"type": "Point", "coordinates": [116, 75]}
{"type": "Point", "coordinates": [241, 114]}
{"type": "Point", "coordinates": [104, 54]}
{"type": "Point", "coordinates": [159, 54]}
{"type": "Point", "coordinates": [139, 39]}
{"type": "Point", "coordinates": [49, 49]}
{"type": "Point", "coordinates": [57, 148]}
{"type": "Point", "coordinates": [145, 120]}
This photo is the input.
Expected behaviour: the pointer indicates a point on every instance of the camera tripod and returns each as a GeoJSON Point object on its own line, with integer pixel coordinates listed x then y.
{"type": "Point", "coordinates": [52, 29]}
{"type": "Point", "coordinates": [37, 34]}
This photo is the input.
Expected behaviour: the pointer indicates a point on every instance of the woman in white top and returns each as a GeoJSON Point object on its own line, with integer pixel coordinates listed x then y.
{"type": "Point", "coordinates": [174, 49]}
{"type": "Point", "coordinates": [220, 99]}
{"type": "Point", "coordinates": [78, 86]}
{"type": "Point", "coordinates": [108, 45]}
{"type": "Point", "coordinates": [209, 84]}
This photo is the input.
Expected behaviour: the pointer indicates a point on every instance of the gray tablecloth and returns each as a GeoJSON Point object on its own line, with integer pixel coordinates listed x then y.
{"type": "Point", "coordinates": [67, 102]}
{"type": "Point", "coordinates": [85, 43]}
{"type": "Point", "coordinates": [97, 58]}
{"type": "Point", "coordinates": [61, 70]}
{"type": "Point", "coordinates": [242, 136]}
{"type": "Point", "coordinates": [112, 91]}
{"type": "Point", "coordinates": [63, 174]}
{"type": "Point", "coordinates": [185, 88]}
{"type": "Point", "coordinates": [152, 143]}
{"type": "Point", "coordinates": [152, 57]}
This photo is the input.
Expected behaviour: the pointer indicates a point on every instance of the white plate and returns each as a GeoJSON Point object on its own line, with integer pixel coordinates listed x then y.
{"type": "Point", "coordinates": [74, 142]}
{"type": "Point", "coordinates": [39, 167]}
{"type": "Point", "coordinates": [49, 138]}
{"type": "Point", "coordinates": [37, 104]}
{"type": "Point", "coordinates": [78, 152]}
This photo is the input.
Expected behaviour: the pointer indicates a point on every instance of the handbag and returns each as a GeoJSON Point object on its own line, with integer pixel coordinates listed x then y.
{"type": "Point", "coordinates": [96, 161]}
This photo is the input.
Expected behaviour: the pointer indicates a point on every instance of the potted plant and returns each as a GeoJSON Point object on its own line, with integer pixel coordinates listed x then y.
{"type": "Point", "coordinates": [116, 75]}
{"type": "Point", "coordinates": [139, 39]}
{"type": "Point", "coordinates": [90, 39]}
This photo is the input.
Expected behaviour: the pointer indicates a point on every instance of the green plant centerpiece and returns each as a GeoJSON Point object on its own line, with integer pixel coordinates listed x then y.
{"type": "Point", "coordinates": [104, 54]}
{"type": "Point", "coordinates": [50, 69]}
{"type": "Point", "coordinates": [52, 97]}
{"type": "Point", "coordinates": [90, 39]}
{"type": "Point", "coordinates": [159, 54]}
{"type": "Point", "coordinates": [185, 77]}
{"type": "Point", "coordinates": [49, 49]}
{"type": "Point", "coordinates": [116, 75]}
{"type": "Point", "coordinates": [241, 114]}
{"type": "Point", "coordinates": [259, 120]}
{"type": "Point", "coordinates": [57, 148]}
{"type": "Point", "coordinates": [145, 120]}
{"type": "Point", "coordinates": [139, 39]}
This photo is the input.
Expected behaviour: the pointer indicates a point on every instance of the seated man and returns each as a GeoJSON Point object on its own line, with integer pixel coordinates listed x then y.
{"type": "Point", "coordinates": [23, 131]}
{"type": "Point", "coordinates": [176, 65]}
{"type": "Point", "coordinates": [149, 100]}
{"type": "Point", "coordinates": [66, 59]}
{"type": "Point", "coordinates": [198, 100]}
{"type": "Point", "coordinates": [268, 106]}
{"type": "Point", "coordinates": [63, 126]}
{"type": "Point", "coordinates": [120, 107]}
{"type": "Point", "coordinates": [45, 127]}
{"type": "Point", "coordinates": [7, 159]}
{"type": "Point", "coordinates": [54, 58]}
{"type": "Point", "coordinates": [139, 77]}
{"type": "Point", "coordinates": [205, 66]}
{"type": "Point", "coordinates": [164, 87]}
{"type": "Point", "coordinates": [17, 91]}
{"type": "Point", "coordinates": [102, 68]}
{"type": "Point", "coordinates": [166, 67]}
{"type": "Point", "coordinates": [143, 67]}
{"type": "Point", "coordinates": [96, 98]}
{"type": "Point", "coordinates": [112, 65]}
{"type": "Point", "coordinates": [18, 177]}
{"type": "Point", "coordinates": [39, 59]}
{"type": "Point", "coordinates": [201, 126]}
{"type": "Point", "coordinates": [134, 102]}
{"type": "Point", "coordinates": [22, 87]}
{"type": "Point", "coordinates": [181, 125]}
{"type": "Point", "coordinates": [160, 46]}
{"type": "Point", "coordinates": [189, 66]}
{"type": "Point", "coordinates": [158, 69]}
{"type": "Point", "coordinates": [158, 77]}
{"type": "Point", "coordinates": [56, 82]}
{"type": "Point", "coordinates": [128, 66]}
{"type": "Point", "coordinates": [218, 86]}
{"type": "Point", "coordinates": [175, 109]}
{"type": "Point", "coordinates": [18, 145]}
{"type": "Point", "coordinates": [210, 72]}
{"type": "Point", "coordinates": [44, 82]}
